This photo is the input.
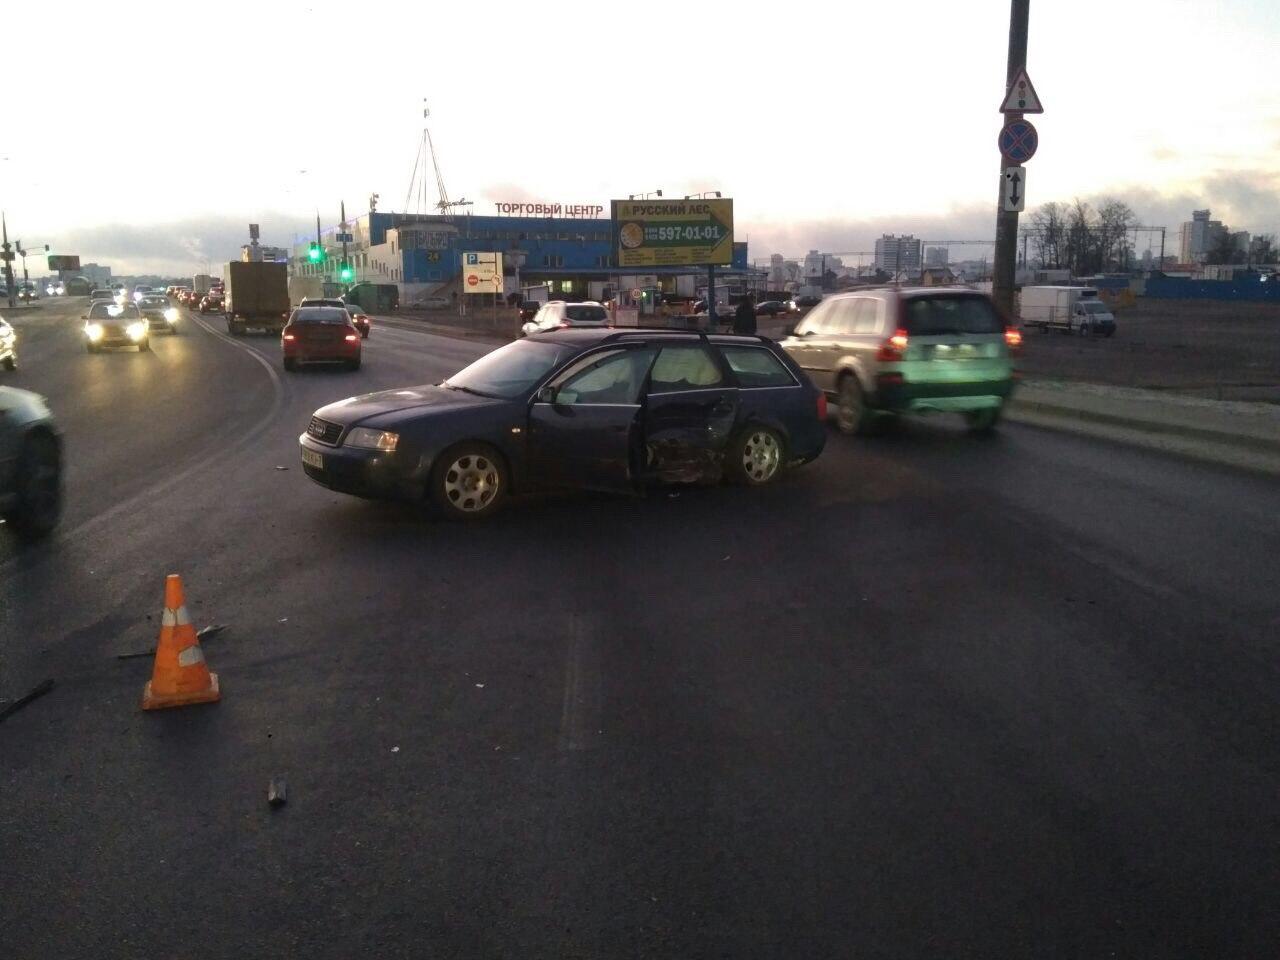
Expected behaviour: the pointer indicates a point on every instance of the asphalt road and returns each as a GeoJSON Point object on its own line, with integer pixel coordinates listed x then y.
{"type": "Point", "coordinates": [928, 697]}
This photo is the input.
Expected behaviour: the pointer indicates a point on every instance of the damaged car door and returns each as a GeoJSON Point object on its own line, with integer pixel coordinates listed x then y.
{"type": "Point", "coordinates": [689, 415]}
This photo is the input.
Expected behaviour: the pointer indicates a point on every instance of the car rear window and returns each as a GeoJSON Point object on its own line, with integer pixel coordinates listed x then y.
{"type": "Point", "coordinates": [757, 367]}
{"type": "Point", "coordinates": [583, 314]}
{"type": "Point", "coordinates": [320, 315]}
{"type": "Point", "coordinates": [939, 316]}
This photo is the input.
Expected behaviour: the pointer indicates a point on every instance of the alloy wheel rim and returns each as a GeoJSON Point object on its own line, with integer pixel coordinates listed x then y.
{"type": "Point", "coordinates": [471, 483]}
{"type": "Point", "coordinates": [760, 456]}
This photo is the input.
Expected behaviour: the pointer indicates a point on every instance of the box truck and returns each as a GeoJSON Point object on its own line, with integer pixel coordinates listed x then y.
{"type": "Point", "coordinates": [201, 283]}
{"type": "Point", "coordinates": [257, 295]}
{"type": "Point", "coordinates": [1069, 309]}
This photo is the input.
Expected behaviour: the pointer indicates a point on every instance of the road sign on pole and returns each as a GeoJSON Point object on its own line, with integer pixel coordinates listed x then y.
{"type": "Point", "coordinates": [1018, 141]}
{"type": "Point", "coordinates": [1021, 96]}
{"type": "Point", "coordinates": [482, 272]}
{"type": "Point", "coordinates": [1013, 192]}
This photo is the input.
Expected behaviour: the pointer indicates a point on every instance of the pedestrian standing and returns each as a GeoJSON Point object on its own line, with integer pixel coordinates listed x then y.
{"type": "Point", "coordinates": [744, 318]}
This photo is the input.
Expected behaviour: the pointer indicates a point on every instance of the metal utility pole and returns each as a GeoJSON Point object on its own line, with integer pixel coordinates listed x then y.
{"type": "Point", "coordinates": [342, 213]}
{"type": "Point", "coordinates": [1007, 221]}
{"type": "Point", "coordinates": [8, 259]}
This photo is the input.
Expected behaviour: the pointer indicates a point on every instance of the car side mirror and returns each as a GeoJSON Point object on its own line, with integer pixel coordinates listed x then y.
{"type": "Point", "coordinates": [546, 395]}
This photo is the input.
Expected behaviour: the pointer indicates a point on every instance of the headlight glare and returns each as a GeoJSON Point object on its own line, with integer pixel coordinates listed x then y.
{"type": "Point", "coordinates": [367, 439]}
{"type": "Point", "coordinates": [136, 330]}
{"type": "Point", "coordinates": [171, 314]}
{"type": "Point", "coordinates": [94, 331]}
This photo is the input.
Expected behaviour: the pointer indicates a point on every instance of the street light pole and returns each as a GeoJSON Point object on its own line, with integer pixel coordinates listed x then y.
{"type": "Point", "coordinates": [1006, 253]}
{"type": "Point", "coordinates": [8, 259]}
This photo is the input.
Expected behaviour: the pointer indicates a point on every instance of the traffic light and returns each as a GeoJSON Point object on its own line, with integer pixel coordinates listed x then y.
{"type": "Point", "coordinates": [345, 273]}
{"type": "Point", "coordinates": [316, 253]}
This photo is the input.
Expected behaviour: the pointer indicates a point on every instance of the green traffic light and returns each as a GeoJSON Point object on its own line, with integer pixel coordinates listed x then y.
{"type": "Point", "coordinates": [315, 254]}
{"type": "Point", "coordinates": [346, 273]}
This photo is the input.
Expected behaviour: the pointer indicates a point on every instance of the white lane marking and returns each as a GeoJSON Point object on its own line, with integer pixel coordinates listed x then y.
{"type": "Point", "coordinates": [163, 486]}
{"type": "Point", "coordinates": [580, 713]}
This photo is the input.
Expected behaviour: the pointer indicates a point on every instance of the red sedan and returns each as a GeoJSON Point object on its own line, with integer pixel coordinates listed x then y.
{"type": "Point", "coordinates": [320, 335]}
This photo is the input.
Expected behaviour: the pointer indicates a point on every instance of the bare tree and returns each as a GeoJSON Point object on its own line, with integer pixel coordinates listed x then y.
{"type": "Point", "coordinates": [1224, 249]}
{"type": "Point", "coordinates": [1048, 228]}
{"type": "Point", "coordinates": [1115, 219]}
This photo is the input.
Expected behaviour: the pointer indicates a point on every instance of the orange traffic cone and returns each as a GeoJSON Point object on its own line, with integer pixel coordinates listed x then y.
{"type": "Point", "coordinates": [180, 675]}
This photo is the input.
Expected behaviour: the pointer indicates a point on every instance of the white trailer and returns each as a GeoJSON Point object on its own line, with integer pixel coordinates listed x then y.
{"type": "Point", "coordinates": [1068, 309]}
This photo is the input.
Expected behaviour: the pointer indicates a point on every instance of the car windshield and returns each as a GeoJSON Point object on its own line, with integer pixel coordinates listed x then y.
{"type": "Point", "coordinates": [113, 311]}
{"type": "Point", "coordinates": [1094, 306]}
{"type": "Point", "coordinates": [320, 315]}
{"type": "Point", "coordinates": [511, 370]}
{"type": "Point", "coordinates": [154, 303]}
{"type": "Point", "coordinates": [939, 316]}
{"type": "Point", "coordinates": [581, 313]}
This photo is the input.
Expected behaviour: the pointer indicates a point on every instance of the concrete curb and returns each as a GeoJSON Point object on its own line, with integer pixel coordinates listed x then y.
{"type": "Point", "coordinates": [1260, 444]}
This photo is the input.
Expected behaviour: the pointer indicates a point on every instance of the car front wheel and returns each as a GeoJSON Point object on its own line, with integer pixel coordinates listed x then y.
{"type": "Point", "coordinates": [39, 489]}
{"type": "Point", "coordinates": [470, 482]}
{"type": "Point", "coordinates": [755, 457]}
{"type": "Point", "coordinates": [11, 362]}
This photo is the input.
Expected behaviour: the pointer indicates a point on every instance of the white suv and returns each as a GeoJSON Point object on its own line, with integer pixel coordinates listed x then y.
{"type": "Point", "coordinates": [557, 315]}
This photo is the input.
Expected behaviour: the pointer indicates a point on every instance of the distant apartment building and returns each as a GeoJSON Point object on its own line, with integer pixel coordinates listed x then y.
{"type": "Point", "coordinates": [1199, 236]}
{"type": "Point", "coordinates": [95, 273]}
{"type": "Point", "coordinates": [936, 256]}
{"type": "Point", "coordinates": [898, 254]}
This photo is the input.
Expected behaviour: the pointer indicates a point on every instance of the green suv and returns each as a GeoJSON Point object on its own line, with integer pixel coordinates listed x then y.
{"type": "Point", "coordinates": [881, 352]}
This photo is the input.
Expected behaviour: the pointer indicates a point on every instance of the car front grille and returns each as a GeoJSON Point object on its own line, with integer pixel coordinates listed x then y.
{"type": "Point", "coordinates": [323, 431]}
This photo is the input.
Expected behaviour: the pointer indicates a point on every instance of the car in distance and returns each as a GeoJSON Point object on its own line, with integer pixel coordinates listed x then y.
{"type": "Point", "coordinates": [336, 302]}
{"type": "Point", "coordinates": [601, 409]}
{"type": "Point", "coordinates": [359, 319]}
{"type": "Point", "coordinates": [8, 346]}
{"type": "Point", "coordinates": [111, 324]}
{"type": "Point", "coordinates": [771, 308]}
{"type": "Point", "coordinates": [28, 292]}
{"type": "Point", "coordinates": [101, 293]}
{"type": "Point", "coordinates": [141, 291]}
{"type": "Point", "coordinates": [884, 352]}
{"type": "Point", "coordinates": [808, 300]}
{"type": "Point", "coordinates": [559, 315]}
{"type": "Point", "coordinates": [30, 464]}
{"type": "Point", "coordinates": [320, 335]}
{"type": "Point", "coordinates": [158, 314]}
{"type": "Point", "coordinates": [528, 310]}
{"type": "Point", "coordinates": [432, 302]}
{"type": "Point", "coordinates": [211, 302]}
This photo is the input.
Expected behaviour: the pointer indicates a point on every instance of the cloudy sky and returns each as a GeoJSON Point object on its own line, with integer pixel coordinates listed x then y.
{"type": "Point", "coordinates": [151, 134]}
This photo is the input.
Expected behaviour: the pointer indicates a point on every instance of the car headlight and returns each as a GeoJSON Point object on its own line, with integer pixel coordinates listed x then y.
{"type": "Point", "coordinates": [136, 330]}
{"type": "Point", "coordinates": [171, 314]}
{"type": "Point", "coordinates": [367, 439]}
{"type": "Point", "coordinates": [94, 331]}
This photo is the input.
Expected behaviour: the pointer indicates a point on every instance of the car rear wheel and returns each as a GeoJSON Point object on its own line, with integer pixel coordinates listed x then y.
{"type": "Point", "coordinates": [983, 421]}
{"type": "Point", "coordinates": [39, 483]}
{"type": "Point", "coordinates": [11, 362]}
{"type": "Point", "coordinates": [755, 457]}
{"type": "Point", "coordinates": [852, 415]}
{"type": "Point", "coordinates": [145, 346]}
{"type": "Point", "coordinates": [290, 364]}
{"type": "Point", "coordinates": [470, 482]}
{"type": "Point", "coordinates": [353, 364]}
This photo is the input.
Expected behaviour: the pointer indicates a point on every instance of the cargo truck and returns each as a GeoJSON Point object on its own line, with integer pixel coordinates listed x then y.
{"type": "Point", "coordinates": [201, 283]}
{"type": "Point", "coordinates": [257, 295]}
{"type": "Point", "coordinates": [1068, 309]}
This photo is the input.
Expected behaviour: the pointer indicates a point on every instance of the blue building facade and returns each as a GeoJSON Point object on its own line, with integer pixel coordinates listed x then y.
{"type": "Point", "coordinates": [424, 252]}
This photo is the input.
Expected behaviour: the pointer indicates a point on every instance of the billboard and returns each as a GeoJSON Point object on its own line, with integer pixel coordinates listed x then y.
{"type": "Point", "coordinates": [482, 272]}
{"type": "Point", "coordinates": [63, 262]}
{"type": "Point", "coordinates": [672, 233]}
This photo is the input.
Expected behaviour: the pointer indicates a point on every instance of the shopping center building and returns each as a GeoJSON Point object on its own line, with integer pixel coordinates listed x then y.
{"type": "Point", "coordinates": [570, 254]}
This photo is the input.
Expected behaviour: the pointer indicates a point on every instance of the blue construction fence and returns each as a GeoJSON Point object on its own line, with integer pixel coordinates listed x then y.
{"type": "Point", "coordinates": [1242, 288]}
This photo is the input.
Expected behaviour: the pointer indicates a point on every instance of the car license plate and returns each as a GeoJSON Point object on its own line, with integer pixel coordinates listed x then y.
{"type": "Point", "coordinates": [312, 459]}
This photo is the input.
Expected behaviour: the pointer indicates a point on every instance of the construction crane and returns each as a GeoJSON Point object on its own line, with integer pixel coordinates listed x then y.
{"type": "Point", "coordinates": [427, 148]}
